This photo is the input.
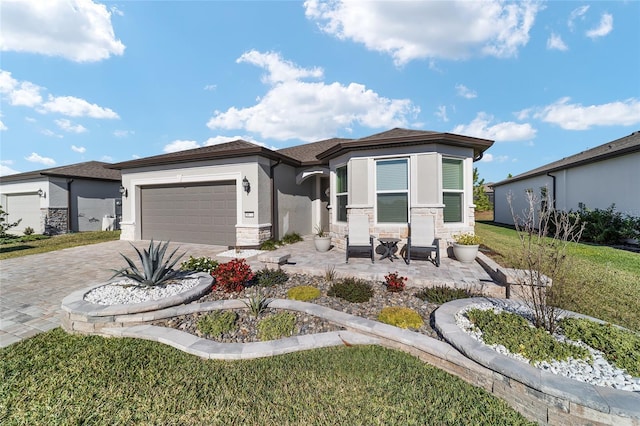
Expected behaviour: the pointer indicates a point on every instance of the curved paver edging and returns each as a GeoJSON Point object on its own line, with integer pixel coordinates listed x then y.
{"type": "Point", "coordinates": [602, 399]}
{"type": "Point", "coordinates": [75, 303]}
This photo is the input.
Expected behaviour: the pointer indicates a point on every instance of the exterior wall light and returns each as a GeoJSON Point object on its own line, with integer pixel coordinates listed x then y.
{"type": "Point", "coordinates": [246, 185]}
{"type": "Point", "coordinates": [42, 193]}
{"type": "Point", "coordinates": [123, 191]}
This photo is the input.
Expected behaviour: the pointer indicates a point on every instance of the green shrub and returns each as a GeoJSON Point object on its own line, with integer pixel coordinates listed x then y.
{"type": "Point", "coordinates": [401, 317]}
{"type": "Point", "coordinates": [257, 304]}
{"type": "Point", "coordinates": [269, 245]}
{"type": "Point", "coordinates": [155, 270]}
{"type": "Point", "coordinates": [199, 264]}
{"type": "Point", "coordinates": [217, 323]}
{"type": "Point", "coordinates": [620, 347]}
{"type": "Point", "coordinates": [442, 294]}
{"type": "Point", "coordinates": [291, 238]}
{"type": "Point", "coordinates": [28, 230]}
{"type": "Point", "coordinates": [269, 277]}
{"type": "Point", "coordinates": [519, 337]}
{"type": "Point", "coordinates": [277, 326]}
{"type": "Point", "coordinates": [352, 290]}
{"type": "Point", "coordinates": [303, 293]}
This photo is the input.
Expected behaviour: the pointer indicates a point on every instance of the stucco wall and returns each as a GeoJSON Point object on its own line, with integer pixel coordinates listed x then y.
{"type": "Point", "coordinates": [596, 185]}
{"type": "Point", "coordinates": [91, 201]}
{"type": "Point", "coordinates": [294, 202]}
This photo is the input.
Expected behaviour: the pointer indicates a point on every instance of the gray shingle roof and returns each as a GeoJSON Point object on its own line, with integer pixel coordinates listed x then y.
{"type": "Point", "coordinates": [307, 153]}
{"type": "Point", "coordinates": [237, 148]}
{"type": "Point", "coordinates": [611, 149]}
{"type": "Point", "coordinates": [87, 170]}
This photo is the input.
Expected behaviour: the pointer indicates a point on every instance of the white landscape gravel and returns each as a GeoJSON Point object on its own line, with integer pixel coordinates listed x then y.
{"type": "Point", "coordinates": [128, 291]}
{"type": "Point", "coordinates": [600, 372]}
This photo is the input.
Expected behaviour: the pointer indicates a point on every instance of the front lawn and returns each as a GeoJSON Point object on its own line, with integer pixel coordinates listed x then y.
{"type": "Point", "coordinates": [56, 378]}
{"type": "Point", "coordinates": [605, 282]}
{"type": "Point", "coordinates": [26, 246]}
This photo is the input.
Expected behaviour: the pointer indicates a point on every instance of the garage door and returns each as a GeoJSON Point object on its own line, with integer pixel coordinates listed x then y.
{"type": "Point", "coordinates": [25, 207]}
{"type": "Point", "coordinates": [202, 213]}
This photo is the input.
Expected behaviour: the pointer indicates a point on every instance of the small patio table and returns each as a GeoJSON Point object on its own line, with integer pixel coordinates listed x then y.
{"type": "Point", "coordinates": [390, 247]}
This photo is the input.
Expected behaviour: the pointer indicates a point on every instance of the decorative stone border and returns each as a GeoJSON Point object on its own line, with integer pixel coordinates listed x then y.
{"type": "Point", "coordinates": [554, 400]}
{"type": "Point", "coordinates": [85, 317]}
{"type": "Point", "coordinates": [561, 395]}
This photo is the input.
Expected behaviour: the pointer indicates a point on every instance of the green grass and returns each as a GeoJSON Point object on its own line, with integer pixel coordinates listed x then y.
{"type": "Point", "coordinates": [55, 378]}
{"type": "Point", "coordinates": [58, 242]}
{"type": "Point", "coordinates": [604, 282]}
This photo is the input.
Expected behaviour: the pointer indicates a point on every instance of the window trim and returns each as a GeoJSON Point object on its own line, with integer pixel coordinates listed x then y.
{"type": "Point", "coordinates": [342, 194]}
{"type": "Point", "coordinates": [460, 192]}
{"type": "Point", "coordinates": [406, 191]}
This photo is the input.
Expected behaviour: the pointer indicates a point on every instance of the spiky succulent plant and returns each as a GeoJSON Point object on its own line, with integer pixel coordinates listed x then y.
{"type": "Point", "coordinates": [155, 270]}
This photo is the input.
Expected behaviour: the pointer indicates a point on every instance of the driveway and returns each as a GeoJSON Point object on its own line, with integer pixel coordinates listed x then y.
{"type": "Point", "coordinates": [32, 287]}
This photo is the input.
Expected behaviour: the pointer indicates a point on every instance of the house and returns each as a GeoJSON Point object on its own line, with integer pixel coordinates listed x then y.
{"type": "Point", "coordinates": [71, 198]}
{"type": "Point", "coordinates": [240, 194]}
{"type": "Point", "coordinates": [596, 178]}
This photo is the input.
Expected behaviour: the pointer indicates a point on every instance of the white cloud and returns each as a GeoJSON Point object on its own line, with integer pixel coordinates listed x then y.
{"type": "Point", "coordinates": [180, 145]}
{"type": "Point", "coordinates": [481, 127]}
{"type": "Point", "coordinates": [78, 30]}
{"type": "Point", "coordinates": [35, 158]}
{"type": "Point", "coordinates": [577, 117]}
{"type": "Point", "coordinates": [3, 126]}
{"type": "Point", "coordinates": [441, 113]}
{"type": "Point", "coordinates": [30, 119]}
{"type": "Point", "coordinates": [68, 126]}
{"type": "Point", "coordinates": [279, 70]}
{"type": "Point", "coordinates": [80, 149]}
{"type": "Point", "coordinates": [490, 158]}
{"type": "Point", "coordinates": [555, 42]}
{"type": "Point", "coordinates": [294, 109]}
{"type": "Point", "coordinates": [123, 133]}
{"type": "Point", "coordinates": [106, 159]}
{"type": "Point", "coordinates": [210, 87]}
{"type": "Point", "coordinates": [604, 28]}
{"type": "Point", "coordinates": [51, 133]}
{"type": "Point", "coordinates": [409, 30]}
{"type": "Point", "coordinates": [465, 92]}
{"type": "Point", "coordinates": [575, 14]}
{"type": "Point", "coordinates": [5, 170]}
{"type": "Point", "coordinates": [25, 93]}
{"type": "Point", "coordinates": [76, 107]}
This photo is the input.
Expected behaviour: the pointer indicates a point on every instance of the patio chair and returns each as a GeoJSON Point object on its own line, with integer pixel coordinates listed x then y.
{"type": "Point", "coordinates": [359, 238]}
{"type": "Point", "coordinates": [422, 231]}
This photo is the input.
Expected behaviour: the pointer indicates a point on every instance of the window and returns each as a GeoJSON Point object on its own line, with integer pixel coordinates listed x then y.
{"type": "Point", "coordinates": [392, 190]}
{"type": "Point", "coordinates": [341, 194]}
{"type": "Point", "coordinates": [453, 189]}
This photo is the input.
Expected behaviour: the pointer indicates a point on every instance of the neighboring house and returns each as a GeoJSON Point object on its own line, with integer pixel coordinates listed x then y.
{"type": "Point", "coordinates": [596, 178]}
{"type": "Point", "coordinates": [71, 198]}
{"type": "Point", "coordinates": [240, 194]}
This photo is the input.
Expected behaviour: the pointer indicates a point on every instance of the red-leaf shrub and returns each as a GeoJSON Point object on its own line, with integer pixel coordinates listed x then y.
{"type": "Point", "coordinates": [232, 276]}
{"type": "Point", "coordinates": [395, 283]}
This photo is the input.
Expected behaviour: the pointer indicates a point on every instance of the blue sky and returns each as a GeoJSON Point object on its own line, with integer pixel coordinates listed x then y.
{"type": "Point", "coordinates": [85, 80]}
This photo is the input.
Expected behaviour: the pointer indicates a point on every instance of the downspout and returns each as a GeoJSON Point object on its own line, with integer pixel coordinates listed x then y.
{"type": "Point", "coordinates": [274, 209]}
{"type": "Point", "coordinates": [553, 189]}
{"type": "Point", "coordinates": [69, 205]}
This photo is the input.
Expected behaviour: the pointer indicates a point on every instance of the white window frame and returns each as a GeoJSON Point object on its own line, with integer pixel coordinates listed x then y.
{"type": "Point", "coordinates": [342, 194]}
{"type": "Point", "coordinates": [460, 192]}
{"type": "Point", "coordinates": [406, 191]}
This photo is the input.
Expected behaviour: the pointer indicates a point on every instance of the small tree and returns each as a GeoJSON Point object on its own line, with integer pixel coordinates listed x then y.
{"type": "Point", "coordinates": [544, 235]}
{"type": "Point", "coordinates": [480, 197]}
{"type": "Point", "coordinates": [4, 224]}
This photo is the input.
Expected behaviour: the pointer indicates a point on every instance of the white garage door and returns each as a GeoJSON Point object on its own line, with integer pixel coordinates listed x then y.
{"type": "Point", "coordinates": [25, 207]}
{"type": "Point", "coordinates": [195, 213]}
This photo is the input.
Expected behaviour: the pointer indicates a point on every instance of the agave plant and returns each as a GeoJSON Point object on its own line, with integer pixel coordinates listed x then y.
{"type": "Point", "coordinates": [154, 271]}
{"type": "Point", "coordinates": [257, 304]}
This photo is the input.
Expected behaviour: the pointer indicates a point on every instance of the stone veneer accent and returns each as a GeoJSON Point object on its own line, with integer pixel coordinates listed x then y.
{"type": "Point", "coordinates": [56, 221]}
{"type": "Point", "coordinates": [445, 233]}
{"type": "Point", "coordinates": [250, 236]}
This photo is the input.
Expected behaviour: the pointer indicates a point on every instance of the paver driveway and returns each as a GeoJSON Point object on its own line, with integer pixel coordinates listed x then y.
{"type": "Point", "coordinates": [32, 287]}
